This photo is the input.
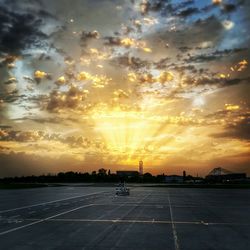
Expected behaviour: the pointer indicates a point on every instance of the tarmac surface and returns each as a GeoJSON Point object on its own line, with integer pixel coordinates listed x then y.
{"type": "Point", "coordinates": [150, 218]}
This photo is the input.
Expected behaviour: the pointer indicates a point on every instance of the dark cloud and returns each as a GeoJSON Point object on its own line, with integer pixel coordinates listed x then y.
{"type": "Point", "coordinates": [191, 35]}
{"type": "Point", "coordinates": [28, 136]}
{"type": "Point", "coordinates": [182, 68]}
{"type": "Point", "coordinates": [236, 121]}
{"type": "Point", "coordinates": [19, 31]}
{"type": "Point", "coordinates": [151, 5]}
{"type": "Point", "coordinates": [10, 96]}
{"type": "Point", "coordinates": [184, 4]}
{"type": "Point", "coordinates": [168, 8]}
{"type": "Point", "coordinates": [28, 79]}
{"type": "Point", "coordinates": [112, 41]}
{"type": "Point", "coordinates": [131, 62]}
{"type": "Point", "coordinates": [215, 55]}
{"type": "Point", "coordinates": [184, 49]}
{"type": "Point", "coordinates": [228, 8]}
{"type": "Point", "coordinates": [8, 60]}
{"type": "Point", "coordinates": [36, 136]}
{"type": "Point", "coordinates": [237, 130]}
{"type": "Point", "coordinates": [234, 81]}
{"type": "Point", "coordinates": [87, 36]}
{"type": "Point", "coordinates": [20, 136]}
{"type": "Point", "coordinates": [188, 12]}
{"type": "Point", "coordinates": [208, 8]}
{"type": "Point", "coordinates": [220, 82]}
{"type": "Point", "coordinates": [162, 63]}
{"type": "Point", "coordinates": [71, 99]}
{"type": "Point", "coordinates": [11, 81]}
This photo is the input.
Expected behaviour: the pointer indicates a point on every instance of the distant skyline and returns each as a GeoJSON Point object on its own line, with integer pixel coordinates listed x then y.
{"type": "Point", "coordinates": [107, 83]}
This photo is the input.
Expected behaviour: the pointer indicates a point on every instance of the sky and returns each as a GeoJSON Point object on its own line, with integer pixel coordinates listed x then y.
{"type": "Point", "coordinates": [106, 83]}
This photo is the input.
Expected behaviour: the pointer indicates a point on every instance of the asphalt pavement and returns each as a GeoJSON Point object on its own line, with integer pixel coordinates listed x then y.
{"type": "Point", "coordinates": [149, 218]}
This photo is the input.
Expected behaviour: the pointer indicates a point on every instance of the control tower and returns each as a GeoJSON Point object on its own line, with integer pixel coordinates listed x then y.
{"type": "Point", "coordinates": [141, 167]}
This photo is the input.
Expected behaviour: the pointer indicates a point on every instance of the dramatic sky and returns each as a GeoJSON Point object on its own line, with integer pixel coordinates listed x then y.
{"type": "Point", "coordinates": [86, 84]}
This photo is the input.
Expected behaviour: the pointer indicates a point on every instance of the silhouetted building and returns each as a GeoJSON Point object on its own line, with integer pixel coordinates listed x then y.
{"type": "Point", "coordinates": [223, 175]}
{"type": "Point", "coordinates": [127, 173]}
{"type": "Point", "coordinates": [173, 179]}
{"type": "Point", "coordinates": [184, 175]}
{"type": "Point", "coordinates": [141, 167]}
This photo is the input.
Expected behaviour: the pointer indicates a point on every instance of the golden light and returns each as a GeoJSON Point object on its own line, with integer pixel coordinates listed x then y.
{"type": "Point", "coordinates": [131, 135]}
{"type": "Point", "coordinates": [147, 50]}
{"type": "Point", "coordinates": [128, 42]}
{"type": "Point", "coordinates": [165, 76]}
{"type": "Point", "coordinates": [40, 74]}
{"type": "Point", "coordinates": [231, 107]}
{"type": "Point", "coordinates": [61, 80]}
{"type": "Point", "coordinates": [216, 1]}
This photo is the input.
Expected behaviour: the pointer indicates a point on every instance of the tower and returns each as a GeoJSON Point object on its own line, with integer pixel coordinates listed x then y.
{"type": "Point", "coordinates": [184, 175]}
{"type": "Point", "coordinates": [141, 167]}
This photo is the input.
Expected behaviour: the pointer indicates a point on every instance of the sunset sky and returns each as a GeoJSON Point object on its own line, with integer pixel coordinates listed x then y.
{"type": "Point", "coordinates": [86, 84]}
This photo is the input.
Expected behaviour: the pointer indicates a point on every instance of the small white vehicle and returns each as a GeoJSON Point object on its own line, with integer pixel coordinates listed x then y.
{"type": "Point", "coordinates": [122, 189]}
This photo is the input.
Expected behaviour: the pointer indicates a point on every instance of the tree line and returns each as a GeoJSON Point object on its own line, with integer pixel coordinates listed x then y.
{"type": "Point", "coordinates": [102, 175]}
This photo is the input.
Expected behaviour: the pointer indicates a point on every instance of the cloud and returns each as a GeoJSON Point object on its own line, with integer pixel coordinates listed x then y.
{"type": "Point", "coordinates": [20, 136]}
{"type": "Point", "coordinates": [11, 81]}
{"type": "Point", "coordinates": [39, 75]}
{"type": "Point", "coordinates": [120, 94]}
{"type": "Point", "coordinates": [235, 120]}
{"type": "Point", "coordinates": [88, 36]}
{"type": "Point", "coordinates": [215, 55]}
{"type": "Point", "coordinates": [8, 60]}
{"type": "Point", "coordinates": [188, 12]}
{"type": "Point", "coordinates": [228, 8]}
{"type": "Point", "coordinates": [239, 130]}
{"type": "Point", "coordinates": [39, 139]}
{"type": "Point", "coordinates": [19, 31]}
{"type": "Point", "coordinates": [163, 7]}
{"type": "Point", "coordinates": [220, 82]}
{"type": "Point", "coordinates": [71, 99]}
{"type": "Point", "coordinates": [127, 42]}
{"type": "Point", "coordinates": [162, 77]}
{"type": "Point", "coordinates": [10, 96]}
{"type": "Point", "coordinates": [133, 63]}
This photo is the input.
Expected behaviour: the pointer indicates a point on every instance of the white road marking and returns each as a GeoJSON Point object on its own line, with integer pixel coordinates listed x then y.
{"type": "Point", "coordinates": [49, 202]}
{"type": "Point", "coordinates": [121, 221]}
{"type": "Point", "coordinates": [117, 220]}
{"type": "Point", "coordinates": [42, 220]}
{"type": "Point", "coordinates": [176, 244]}
{"type": "Point", "coordinates": [129, 204]}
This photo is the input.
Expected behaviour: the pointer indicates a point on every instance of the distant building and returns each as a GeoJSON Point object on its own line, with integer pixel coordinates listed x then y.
{"type": "Point", "coordinates": [184, 175]}
{"type": "Point", "coordinates": [141, 167]}
{"type": "Point", "coordinates": [127, 173]}
{"type": "Point", "coordinates": [223, 175]}
{"type": "Point", "coordinates": [173, 179]}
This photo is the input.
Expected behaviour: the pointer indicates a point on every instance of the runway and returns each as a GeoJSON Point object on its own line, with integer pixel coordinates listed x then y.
{"type": "Point", "coordinates": [150, 218]}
